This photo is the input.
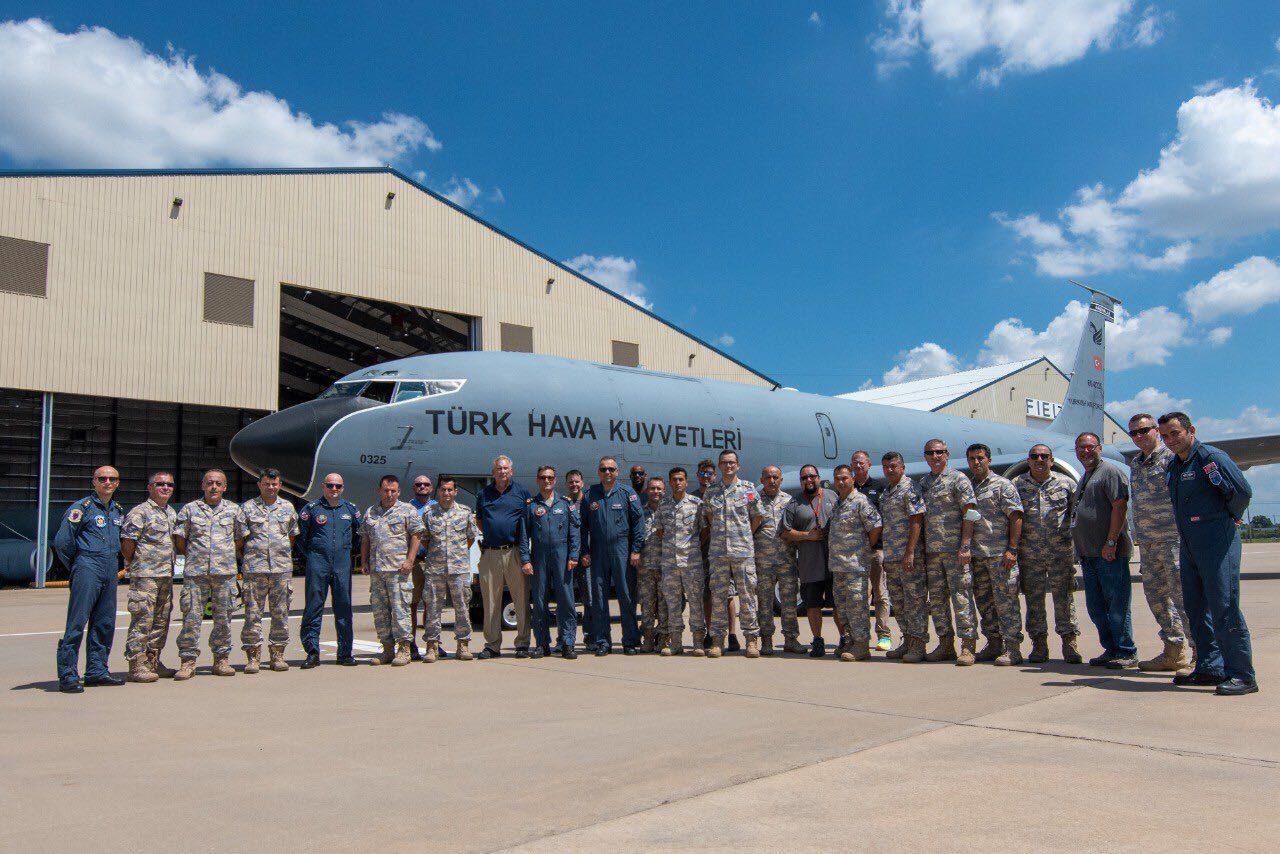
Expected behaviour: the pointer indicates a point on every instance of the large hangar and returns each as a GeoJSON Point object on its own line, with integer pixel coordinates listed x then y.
{"type": "Point", "coordinates": [149, 315]}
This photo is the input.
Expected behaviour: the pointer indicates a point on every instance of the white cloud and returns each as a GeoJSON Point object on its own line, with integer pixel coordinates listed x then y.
{"type": "Point", "coordinates": [1219, 335]}
{"type": "Point", "coordinates": [1252, 420]}
{"type": "Point", "coordinates": [1208, 87]}
{"type": "Point", "coordinates": [922, 362]}
{"type": "Point", "coordinates": [1218, 179]}
{"type": "Point", "coordinates": [726, 340]}
{"type": "Point", "coordinates": [93, 98]}
{"type": "Point", "coordinates": [1145, 338]}
{"type": "Point", "coordinates": [1005, 36]}
{"type": "Point", "coordinates": [461, 191]}
{"type": "Point", "coordinates": [815, 19]}
{"type": "Point", "coordinates": [497, 196]}
{"type": "Point", "coordinates": [616, 273]}
{"type": "Point", "coordinates": [1150, 400]}
{"type": "Point", "coordinates": [1242, 289]}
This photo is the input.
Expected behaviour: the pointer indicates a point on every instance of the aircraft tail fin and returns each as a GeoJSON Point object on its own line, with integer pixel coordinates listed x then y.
{"type": "Point", "coordinates": [1083, 408]}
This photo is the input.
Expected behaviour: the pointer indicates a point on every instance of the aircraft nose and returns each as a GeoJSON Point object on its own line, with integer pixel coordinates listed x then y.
{"type": "Point", "coordinates": [284, 440]}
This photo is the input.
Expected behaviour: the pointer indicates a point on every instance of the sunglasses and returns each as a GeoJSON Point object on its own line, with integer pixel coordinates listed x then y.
{"type": "Point", "coordinates": [1140, 431]}
{"type": "Point", "coordinates": [546, 477]}
{"type": "Point", "coordinates": [608, 468]}
{"type": "Point", "coordinates": [421, 485]}
{"type": "Point", "coordinates": [106, 478]}
{"type": "Point", "coordinates": [1039, 456]}
{"type": "Point", "coordinates": [163, 484]}
{"type": "Point", "coordinates": [943, 452]}
{"type": "Point", "coordinates": [333, 486]}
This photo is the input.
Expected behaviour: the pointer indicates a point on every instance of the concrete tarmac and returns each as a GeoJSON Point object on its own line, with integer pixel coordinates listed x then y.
{"type": "Point", "coordinates": [639, 753]}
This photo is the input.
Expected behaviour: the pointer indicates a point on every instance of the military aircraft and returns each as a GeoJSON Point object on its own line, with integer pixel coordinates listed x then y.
{"type": "Point", "coordinates": [455, 412]}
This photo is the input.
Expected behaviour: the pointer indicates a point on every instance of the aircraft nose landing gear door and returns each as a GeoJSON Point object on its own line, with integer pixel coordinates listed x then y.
{"type": "Point", "coordinates": [829, 449]}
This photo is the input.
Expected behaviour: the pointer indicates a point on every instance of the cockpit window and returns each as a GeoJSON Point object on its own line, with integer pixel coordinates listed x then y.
{"type": "Point", "coordinates": [410, 390]}
{"type": "Point", "coordinates": [387, 391]}
{"type": "Point", "coordinates": [379, 392]}
{"type": "Point", "coordinates": [348, 389]}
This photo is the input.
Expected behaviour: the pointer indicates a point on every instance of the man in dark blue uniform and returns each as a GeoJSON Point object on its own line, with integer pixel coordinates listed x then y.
{"type": "Point", "coordinates": [88, 543]}
{"type": "Point", "coordinates": [1209, 495]}
{"type": "Point", "coordinates": [328, 527]}
{"type": "Point", "coordinates": [421, 500]}
{"type": "Point", "coordinates": [549, 551]}
{"type": "Point", "coordinates": [612, 535]}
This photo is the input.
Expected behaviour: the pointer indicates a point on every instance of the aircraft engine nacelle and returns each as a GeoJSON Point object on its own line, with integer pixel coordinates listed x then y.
{"type": "Point", "coordinates": [1064, 462]}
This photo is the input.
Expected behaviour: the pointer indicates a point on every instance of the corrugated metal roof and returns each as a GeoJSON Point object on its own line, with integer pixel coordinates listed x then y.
{"type": "Point", "coordinates": [936, 392]}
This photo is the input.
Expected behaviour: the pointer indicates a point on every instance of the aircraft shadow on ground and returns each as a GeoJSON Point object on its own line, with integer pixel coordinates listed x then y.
{"type": "Point", "coordinates": [1131, 681]}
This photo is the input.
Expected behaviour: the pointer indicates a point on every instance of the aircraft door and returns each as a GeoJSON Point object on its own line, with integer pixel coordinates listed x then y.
{"type": "Point", "coordinates": [830, 450]}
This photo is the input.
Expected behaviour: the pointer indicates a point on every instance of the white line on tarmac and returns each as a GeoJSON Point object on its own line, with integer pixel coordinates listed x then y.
{"type": "Point", "coordinates": [172, 623]}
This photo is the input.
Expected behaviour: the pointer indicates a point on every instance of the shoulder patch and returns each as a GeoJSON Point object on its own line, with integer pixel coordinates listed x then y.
{"type": "Point", "coordinates": [75, 515]}
{"type": "Point", "coordinates": [632, 497]}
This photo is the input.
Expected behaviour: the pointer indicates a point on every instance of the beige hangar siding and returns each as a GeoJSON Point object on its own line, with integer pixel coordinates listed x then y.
{"type": "Point", "coordinates": [1006, 400]}
{"type": "Point", "coordinates": [123, 312]}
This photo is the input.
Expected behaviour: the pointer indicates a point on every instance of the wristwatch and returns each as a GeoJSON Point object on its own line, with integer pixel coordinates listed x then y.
{"type": "Point", "coordinates": [1111, 543]}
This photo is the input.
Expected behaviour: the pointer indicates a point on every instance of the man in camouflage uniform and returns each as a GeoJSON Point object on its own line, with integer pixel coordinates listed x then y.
{"type": "Point", "coordinates": [731, 513]}
{"type": "Point", "coordinates": [207, 532]}
{"type": "Point", "coordinates": [146, 542]}
{"type": "Point", "coordinates": [902, 512]}
{"type": "Point", "coordinates": [948, 530]}
{"type": "Point", "coordinates": [450, 530]}
{"type": "Point", "coordinates": [996, 537]}
{"type": "Point", "coordinates": [268, 524]}
{"type": "Point", "coordinates": [775, 567]}
{"type": "Point", "coordinates": [649, 576]}
{"type": "Point", "coordinates": [1156, 535]}
{"type": "Point", "coordinates": [1045, 554]}
{"type": "Point", "coordinates": [683, 575]}
{"type": "Point", "coordinates": [389, 538]}
{"type": "Point", "coordinates": [852, 533]}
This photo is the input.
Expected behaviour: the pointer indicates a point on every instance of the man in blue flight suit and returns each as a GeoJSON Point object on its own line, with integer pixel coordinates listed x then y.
{"type": "Point", "coordinates": [328, 527]}
{"type": "Point", "coordinates": [612, 535]}
{"type": "Point", "coordinates": [1209, 495]}
{"type": "Point", "coordinates": [549, 550]}
{"type": "Point", "coordinates": [88, 543]}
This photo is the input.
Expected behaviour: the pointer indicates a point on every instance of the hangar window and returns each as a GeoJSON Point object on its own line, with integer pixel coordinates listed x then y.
{"type": "Point", "coordinates": [626, 354]}
{"type": "Point", "coordinates": [24, 266]}
{"type": "Point", "coordinates": [228, 299]}
{"type": "Point", "coordinates": [516, 338]}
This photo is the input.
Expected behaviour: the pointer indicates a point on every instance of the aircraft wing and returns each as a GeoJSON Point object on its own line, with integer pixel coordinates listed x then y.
{"type": "Point", "coordinates": [1248, 451]}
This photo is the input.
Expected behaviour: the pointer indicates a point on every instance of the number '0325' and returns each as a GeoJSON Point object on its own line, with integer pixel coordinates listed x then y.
{"type": "Point", "coordinates": [374, 459]}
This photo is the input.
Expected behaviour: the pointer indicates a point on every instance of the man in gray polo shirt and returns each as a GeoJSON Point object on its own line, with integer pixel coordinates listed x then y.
{"type": "Point", "coordinates": [1102, 542]}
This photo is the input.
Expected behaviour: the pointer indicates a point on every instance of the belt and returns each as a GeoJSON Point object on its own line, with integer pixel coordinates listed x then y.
{"type": "Point", "coordinates": [497, 548]}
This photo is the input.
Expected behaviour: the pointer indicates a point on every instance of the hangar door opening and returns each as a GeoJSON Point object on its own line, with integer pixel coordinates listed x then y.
{"type": "Point", "coordinates": [325, 336]}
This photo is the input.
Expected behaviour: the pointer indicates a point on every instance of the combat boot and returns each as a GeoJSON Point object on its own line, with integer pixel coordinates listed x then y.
{"type": "Point", "coordinates": [387, 654]}
{"type": "Point", "coordinates": [900, 650]}
{"type": "Point", "coordinates": [646, 643]}
{"type": "Point", "coordinates": [157, 666]}
{"type": "Point", "coordinates": [859, 650]}
{"type": "Point", "coordinates": [992, 650]}
{"type": "Point", "coordinates": [186, 670]}
{"type": "Point", "coordinates": [915, 651]}
{"type": "Point", "coordinates": [253, 659]}
{"type": "Point", "coordinates": [966, 656]}
{"type": "Point", "coordinates": [699, 648]}
{"type": "Point", "coordinates": [221, 667]}
{"type": "Point", "coordinates": [945, 650]}
{"type": "Point", "coordinates": [1070, 649]}
{"type": "Point", "coordinates": [278, 664]}
{"type": "Point", "coordinates": [717, 648]}
{"type": "Point", "coordinates": [1039, 650]}
{"type": "Point", "coordinates": [402, 654]}
{"type": "Point", "coordinates": [140, 672]}
{"type": "Point", "coordinates": [794, 646]}
{"type": "Point", "coordinates": [753, 648]}
{"type": "Point", "coordinates": [766, 646]}
{"type": "Point", "coordinates": [464, 651]}
{"type": "Point", "coordinates": [1012, 655]}
{"type": "Point", "coordinates": [432, 655]}
{"type": "Point", "coordinates": [666, 652]}
{"type": "Point", "coordinates": [1171, 660]}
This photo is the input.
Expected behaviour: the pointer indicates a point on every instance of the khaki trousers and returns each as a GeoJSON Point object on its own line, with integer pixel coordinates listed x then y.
{"type": "Point", "coordinates": [501, 568]}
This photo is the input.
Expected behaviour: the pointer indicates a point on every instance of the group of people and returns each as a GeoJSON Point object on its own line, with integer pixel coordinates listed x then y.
{"type": "Point", "coordinates": [962, 549]}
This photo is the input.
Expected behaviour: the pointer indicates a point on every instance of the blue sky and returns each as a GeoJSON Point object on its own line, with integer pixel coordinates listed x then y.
{"type": "Point", "coordinates": [902, 186]}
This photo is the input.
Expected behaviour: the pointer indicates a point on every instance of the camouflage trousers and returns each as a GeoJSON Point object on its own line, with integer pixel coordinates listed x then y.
{"type": "Point", "coordinates": [782, 575]}
{"type": "Point", "coordinates": [196, 590]}
{"type": "Point", "coordinates": [1057, 576]}
{"type": "Point", "coordinates": [681, 584]}
{"type": "Point", "coordinates": [389, 596]}
{"type": "Point", "coordinates": [1162, 585]}
{"type": "Point", "coordinates": [879, 591]}
{"type": "Point", "coordinates": [849, 591]}
{"type": "Point", "coordinates": [909, 594]}
{"type": "Point", "coordinates": [728, 574]}
{"type": "Point", "coordinates": [951, 589]}
{"type": "Point", "coordinates": [996, 591]}
{"type": "Point", "coordinates": [649, 596]}
{"type": "Point", "coordinates": [150, 606]}
{"type": "Point", "coordinates": [456, 587]}
{"type": "Point", "coordinates": [272, 591]}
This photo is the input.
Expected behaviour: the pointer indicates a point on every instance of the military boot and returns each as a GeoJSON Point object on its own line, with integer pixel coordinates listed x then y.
{"type": "Point", "coordinates": [753, 648]}
{"type": "Point", "coordinates": [1039, 650]}
{"type": "Point", "coordinates": [253, 659]}
{"type": "Point", "coordinates": [717, 648]}
{"type": "Point", "coordinates": [402, 656]}
{"type": "Point", "coordinates": [900, 650]}
{"type": "Point", "coordinates": [844, 650]}
{"type": "Point", "coordinates": [221, 667]}
{"type": "Point", "coordinates": [967, 656]}
{"type": "Point", "coordinates": [646, 643]}
{"type": "Point", "coordinates": [432, 655]}
{"type": "Point", "coordinates": [1171, 660]}
{"type": "Point", "coordinates": [278, 664]}
{"type": "Point", "coordinates": [186, 670]}
{"type": "Point", "coordinates": [388, 653]}
{"type": "Point", "coordinates": [944, 651]}
{"type": "Point", "coordinates": [859, 650]}
{"type": "Point", "coordinates": [1012, 655]}
{"type": "Point", "coordinates": [794, 647]}
{"type": "Point", "coordinates": [992, 650]}
{"type": "Point", "coordinates": [915, 651]}
{"type": "Point", "coordinates": [766, 646]}
{"type": "Point", "coordinates": [139, 671]}
{"type": "Point", "coordinates": [464, 651]}
{"type": "Point", "coordinates": [699, 648]}
{"type": "Point", "coordinates": [1070, 649]}
{"type": "Point", "coordinates": [157, 666]}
